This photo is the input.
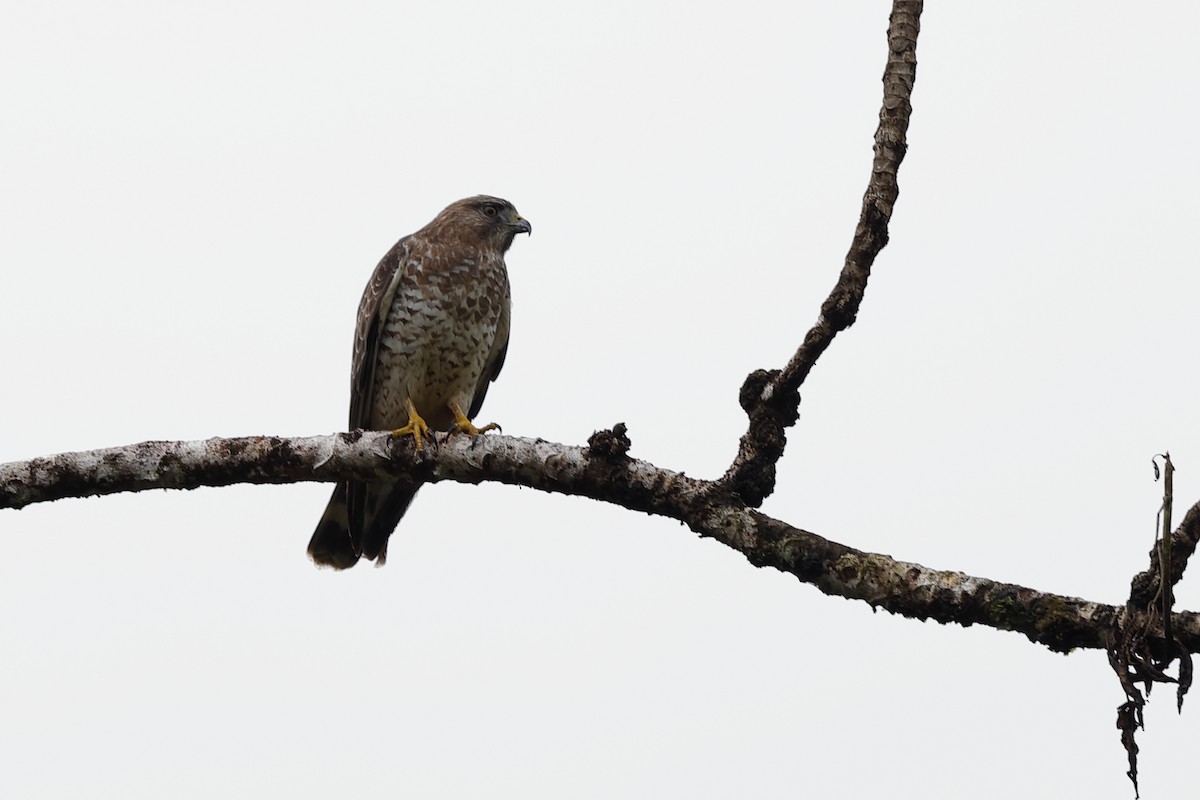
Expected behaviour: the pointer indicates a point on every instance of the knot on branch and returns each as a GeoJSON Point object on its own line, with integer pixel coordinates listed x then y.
{"type": "Point", "coordinates": [771, 410]}
{"type": "Point", "coordinates": [610, 443]}
{"type": "Point", "coordinates": [759, 396]}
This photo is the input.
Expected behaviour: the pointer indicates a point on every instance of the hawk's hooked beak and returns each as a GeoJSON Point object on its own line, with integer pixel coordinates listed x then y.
{"type": "Point", "coordinates": [522, 226]}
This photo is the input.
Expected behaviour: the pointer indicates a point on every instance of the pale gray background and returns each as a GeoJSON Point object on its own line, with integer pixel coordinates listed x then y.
{"type": "Point", "coordinates": [193, 195]}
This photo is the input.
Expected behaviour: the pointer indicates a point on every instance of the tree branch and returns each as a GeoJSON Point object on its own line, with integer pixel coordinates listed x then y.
{"type": "Point", "coordinates": [772, 399]}
{"type": "Point", "coordinates": [1148, 585]}
{"type": "Point", "coordinates": [601, 471]}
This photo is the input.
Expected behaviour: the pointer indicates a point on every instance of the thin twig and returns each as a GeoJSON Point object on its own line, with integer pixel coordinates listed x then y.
{"type": "Point", "coordinates": [1165, 585]}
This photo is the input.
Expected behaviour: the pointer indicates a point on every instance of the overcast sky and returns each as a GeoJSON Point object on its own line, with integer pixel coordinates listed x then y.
{"type": "Point", "coordinates": [194, 194]}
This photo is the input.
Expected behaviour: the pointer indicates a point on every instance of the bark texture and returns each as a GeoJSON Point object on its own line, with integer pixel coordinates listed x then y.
{"type": "Point", "coordinates": [602, 471]}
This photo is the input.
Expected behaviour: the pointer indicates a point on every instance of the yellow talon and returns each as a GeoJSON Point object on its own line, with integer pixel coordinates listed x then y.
{"type": "Point", "coordinates": [464, 425]}
{"type": "Point", "coordinates": [415, 428]}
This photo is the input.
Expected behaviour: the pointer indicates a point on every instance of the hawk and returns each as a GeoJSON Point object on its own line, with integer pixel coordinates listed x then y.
{"type": "Point", "coordinates": [431, 336]}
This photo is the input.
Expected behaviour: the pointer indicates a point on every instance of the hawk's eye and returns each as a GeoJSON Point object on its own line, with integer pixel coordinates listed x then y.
{"type": "Point", "coordinates": [490, 211]}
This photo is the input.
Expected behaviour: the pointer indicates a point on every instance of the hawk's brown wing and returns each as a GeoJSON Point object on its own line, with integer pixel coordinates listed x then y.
{"type": "Point", "coordinates": [374, 509]}
{"type": "Point", "coordinates": [372, 309]}
{"type": "Point", "coordinates": [348, 529]}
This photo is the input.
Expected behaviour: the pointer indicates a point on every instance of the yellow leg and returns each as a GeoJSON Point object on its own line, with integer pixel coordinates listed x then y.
{"type": "Point", "coordinates": [464, 425]}
{"type": "Point", "coordinates": [415, 428]}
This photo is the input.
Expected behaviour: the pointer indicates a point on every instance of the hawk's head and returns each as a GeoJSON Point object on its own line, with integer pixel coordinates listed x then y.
{"type": "Point", "coordinates": [479, 220]}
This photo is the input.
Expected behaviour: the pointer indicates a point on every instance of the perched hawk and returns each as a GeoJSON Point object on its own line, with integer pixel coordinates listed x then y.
{"type": "Point", "coordinates": [431, 336]}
